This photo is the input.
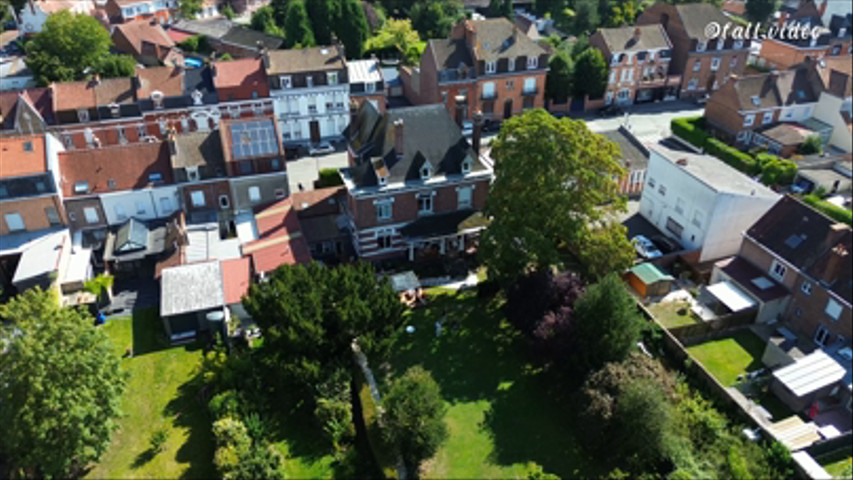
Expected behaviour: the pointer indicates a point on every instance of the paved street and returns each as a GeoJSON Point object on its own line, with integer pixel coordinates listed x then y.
{"type": "Point", "coordinates": [648, 122]}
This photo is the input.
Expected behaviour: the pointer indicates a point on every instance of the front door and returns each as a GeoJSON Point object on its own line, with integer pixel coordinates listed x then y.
{"type": "Point", "coordinates": [508, 108]}
{"type": "Point", "coordinates": [314, 125]}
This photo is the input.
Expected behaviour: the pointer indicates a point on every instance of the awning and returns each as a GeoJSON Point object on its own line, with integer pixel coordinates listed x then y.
{"type": "Point", "coordinates": [810, 373]}
{"type": "Point", "coordinates": [730, 296]}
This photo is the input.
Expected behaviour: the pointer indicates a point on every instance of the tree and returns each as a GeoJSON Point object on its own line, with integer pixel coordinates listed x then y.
{"type": "Point", "coordinates": [813, 144]}
{"type": "Point", "coordinates": [558, 82]}
{"type": "Point", "coordinates": [238, 457]}
{"type": "Point", "coordinates": [61, 388]}
{"type": "Point", "coordinates": [585, 16]}
{"type": "Point", "coordinates": [553, 181]}
{"type": "Point", "coordinates": [399, 35]}
{"type": "Point", "coordinates": [607, 325]}
{"type": "Point", "coordinates": [619, 13]}
{"type": "Point", "coordinates": [606, 249]}
{"type": "Point", "coordinates": [590, 74]}
{"type": "Point", "coordinates": [263, 20]}
{"type": "Point", "coordinates": [414, 417]}
{"type": "Point", "coordinates": [228, 12]}
{"type": "Point", "coordinates": [641, 422]}
{"type": "Point", "coordinates": [435, 19]}
{"type": "Point", "coordinates": [352, 29]}
{"type": "Point", "coordinates": [501, 8]}
{"type": "Point", "coordinates": [68, 48]}
{"type": "Point", "coordinates": [324, 15]}
{"type": "Point", "coordinates": [310, 315]}
{"type": "Point", "coordinates": [760, 10]}
{"type": "Point", "coordinates": [190, 8]}
{"type": "Point", "coordinates": [279, 10]}
{"type": "Point", "coordinates": [297, 26]}
{"type": "Point", "coordinates": [114, 66]}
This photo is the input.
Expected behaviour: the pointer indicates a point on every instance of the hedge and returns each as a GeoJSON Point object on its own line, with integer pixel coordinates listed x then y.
{"type": "Point", "coordinates": [775, 170]}
{"type": "Point", "coordinates": [328, 177]}
{"type": "Point", "coordinates": [690, 129]}
{"type": "Point", "coordinates": [831, 210]}
{"type": "Point", "coordinates": [734, 157]}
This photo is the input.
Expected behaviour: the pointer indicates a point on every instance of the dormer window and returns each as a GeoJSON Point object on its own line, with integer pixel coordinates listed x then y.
{"type": "Point", "coordinates": [81, 187]}
{"type": "Point", "coordinates": [614, 60]}
{"type": "Point", "coordinates": [842, 31]}
{"type": "Point", "coordinates": [83, 115]}
{"type": "Point", "coordinates": [491, 67]}
{"type": "Point", "coordinates": [332, 78]}
{"type": "Point", "coordinates": [532, 62]}
{"type": "Point", "coordinates": [425, 171]}
{"type": "Point", "coordinates": [383, 180]}
{"type": "Point", "coordinates": [720, 43]}
{"type": "Point", "coordinates": [755, 100]}
{"type": "Point", "coordinates": [738, 44]}
{"type": "Point", "coordinates": [466, 165]}
{"type": "Point", "coordinates": [197, 97]}
{"type": "Point", "coordinates": [510, 64]}
{"type": "Point", "coordinates": [28, 146]}
{"type": "Point", "coordinates": [157, 98]}
{"type": "Point", "coordinates": [115, 111]}
{"type": "Point", "coordinates": [155, 177]}
{"type": "Point", "coordinates": [701, 46]}
{"type": "Point", "coordinates": [285, 81]}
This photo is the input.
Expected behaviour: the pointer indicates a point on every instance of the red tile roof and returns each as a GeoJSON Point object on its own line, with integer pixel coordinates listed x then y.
{"type": "Point", "coordinates": [243, 73]}
{"type": "Point", "coordinates": [321, 201]}
{"type": "Point", "coordinates": [178, 36]}
{"type": "Point", "coordinates": [15, 161]}
{"type": "Point", "coordinates": [140, 31]}
{"type": "Point", "coordinates": [38, 98]}
{"type": "Point", "coordinates": [235, 279]}
{"type": "Point", "coordinates": [168, 80]}
{"type": "Point", "coordinates": [128, 166]}
{"type": "Point", "coordinates": [280, 239]}
{"type": "Point", "coordinates": [91, 94]}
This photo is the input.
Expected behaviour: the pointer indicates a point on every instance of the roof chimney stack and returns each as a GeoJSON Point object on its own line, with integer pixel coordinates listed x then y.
{"type": "Point", "coordinates": [398, 137]}
{"type": "Point", "coordinates": [681, 162]}
{"type": "Point", "coordinates": [478, 131]}
{"type": "Point", "coordinates": [837, 257]}
{"type": "Point", "coordinates": [460, 107]}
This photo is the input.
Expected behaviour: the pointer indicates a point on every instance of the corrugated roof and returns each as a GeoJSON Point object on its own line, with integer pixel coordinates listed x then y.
{"type": "Point", "coordinates": [364, 71]}
{"type": "Point", "coordinates": [810, 373]}
{"type": "Point", "coordinates": [191, 288]}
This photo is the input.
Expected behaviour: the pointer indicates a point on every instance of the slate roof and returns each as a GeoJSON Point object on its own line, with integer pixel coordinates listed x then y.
{"type": "Point", "coordinates": [39, 99]}
{"type": "Point", "coordinates": [743, 272]}
{"type": "Point", "coordinates": [776, 89]}
{"type": "Point", "coordinates": [450, 53]}
{"type": "Point", "coordinates": [128, 166]}
{"type": "Point", "coordinates": [500, 38]}
{"type": "Point", "coordinates": [199, 149]}
{"type": "Point", "coordinates": [200, 79]}
{"type": "Point", "coordinates": [305, 60]}
{"type": "Point", "coordinates": [634, 153]}
{"type": "Point", "coordinates": [696, 16]}
{"type": "Point", "coordinates": [214, 28]}
{"type": "Point", "coordinates": [248, 38]}
{"type": "Point", "coordinates": [429, 135]}
{"type": "Point", "coordinates": [804, 237]}
{"type": "Point", "coordinates": [652, 37]}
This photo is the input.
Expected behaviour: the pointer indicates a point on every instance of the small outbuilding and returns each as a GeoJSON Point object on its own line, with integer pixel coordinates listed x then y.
{"type": "Point", "coordinates": [807, 380]}
{"type": "Point", "coordinates": [649, 280]}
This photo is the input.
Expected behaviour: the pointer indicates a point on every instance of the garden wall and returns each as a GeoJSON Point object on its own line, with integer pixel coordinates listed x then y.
{"type": "Point", "coordinates": [824, 447]}
{"type": "Point", "coordinates": [703, 331]}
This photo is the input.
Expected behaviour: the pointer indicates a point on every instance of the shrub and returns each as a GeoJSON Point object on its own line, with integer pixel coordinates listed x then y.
{"type": "Point", "coordinates": [158, 441]}
{"type": "Point", "coordinates": [691, 130]}
{"type": "Point", "coordinates": [329, 177]}
{"type": "Point", "coordinates": [813, 144]}
{"type": "Point", "coordinates": [226, 57]}
{"type": "Point", "coordinates": [189, 45]}
{"type": "Point", "coordinates": [226, 404]}
{"type": "Point", "coordinates": [777, 171]}
{"type": "Point", "coordinates": [833, 211]}
{"type": "Point", "coordinates": [732, 156]}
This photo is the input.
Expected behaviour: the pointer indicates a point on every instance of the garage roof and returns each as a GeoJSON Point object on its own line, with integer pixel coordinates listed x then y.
{"type": "Point", "coordinates": [810, 373]}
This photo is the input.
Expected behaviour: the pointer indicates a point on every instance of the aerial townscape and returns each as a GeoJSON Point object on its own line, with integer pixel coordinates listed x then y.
{"type": "Point", "coordinates": [447, 239]}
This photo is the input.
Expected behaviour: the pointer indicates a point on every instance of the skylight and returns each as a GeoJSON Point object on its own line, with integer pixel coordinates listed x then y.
{"type": "Point", "coordinates": [762, 283]}
{"type": "Point", "coordinates": [794, 241]}
{"type": "Point", "coordinates": [756, 100]}
{"type": "Point", "coordinates": [253, 139]}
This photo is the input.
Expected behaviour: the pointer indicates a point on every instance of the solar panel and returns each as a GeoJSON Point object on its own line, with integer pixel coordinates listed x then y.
{"type": "Point", "coordinates": [253, 139]}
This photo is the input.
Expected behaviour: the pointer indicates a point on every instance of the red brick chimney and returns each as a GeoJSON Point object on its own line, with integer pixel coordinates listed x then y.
{"type": "Point", "coordinates": [398, 137]}
{"type": "Point", "coordinates": [478, 131]}
{"type": "Point", "coordinates": [838, 256]}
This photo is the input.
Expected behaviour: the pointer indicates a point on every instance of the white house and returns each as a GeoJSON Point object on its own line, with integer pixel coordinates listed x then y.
{"type": "Point", "coordinates": [311, 93]}
{"type": "Point", "coordinates": [701, 202]}
{"type": "Point", "coordinates": [143, 204]}
{"type": "Point", "coordinates": [14, 74]}
{"type": "Point", "coordinates": [835, 104]}
{"type": "Point", "coordinates": [32, 16]}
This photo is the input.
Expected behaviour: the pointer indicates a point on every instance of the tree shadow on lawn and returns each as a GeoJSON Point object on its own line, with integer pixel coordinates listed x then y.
{"type": "Point", "coordinates": [753, 345]}
{"type": "Point", "coordinates": [294, 422]}
{"type": "Point", "coordinates": [149, 335]}
{"type": "Point", "coordinates": [468, 362]}
{"type": "Point", "coordinates": [531, 420]}
{"type": "Point", "coordinates": [189, 411]}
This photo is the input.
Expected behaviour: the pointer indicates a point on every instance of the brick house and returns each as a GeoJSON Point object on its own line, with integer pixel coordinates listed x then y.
{"type": "Point", "coordinates": [702, 62]}
{"type": "Point", "coordinates": [414, 185]}
{"type": "Point", "coordinates": [240, 79]}
{"type": "Point", "coordinates": [487, 65]}
{"type": "Point", "coordinates": [786, 52]}
{"type": "Point", "coordinates": [147, 42]}
{"type": "Point", "coordinates": [639, 61]}
{"type": "Point", "coordinates": [761, 109]}
{"type": "Point", "coordinates": [366, 84]}
{"type": "Point", "coordinates": [198, 168]}
{"type": "Point", "coordinates": [805, 257]}
{"type": "Point", "coordinates": [121, 11]}
{"type": "Point", "coordinates": [835, 104]}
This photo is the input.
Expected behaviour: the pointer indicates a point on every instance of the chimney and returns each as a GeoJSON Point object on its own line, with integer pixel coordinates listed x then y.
{"type": "Point", "coordinates": [96, 79]}
{"type": "Point", "coordinates": [478, 130]}
{"type": "Point", "coordinates": [637, 34]}
{"type": "Point", "coordinates": [838, 256]}
{"type": "Point", "coordinates": [265, 57]}
{"type": "Point", "coordinates": [460, 107]}
{"type": "Point", "coordinates": [471, 37]}
{"type": "Point", "coordinates": [398, 137]}
{"type": "Point", "coordinates": [682, 162]}
{"type": "Point", "coordinates": [170, 139]}
{"type": "Point", "coordinates": [822, 8]}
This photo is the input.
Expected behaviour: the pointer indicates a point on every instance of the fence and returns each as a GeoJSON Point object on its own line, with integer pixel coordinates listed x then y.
{"type": "Point", "coordinates": [702, 331]}
{"type": "Point", "coordinates": [824, 447]}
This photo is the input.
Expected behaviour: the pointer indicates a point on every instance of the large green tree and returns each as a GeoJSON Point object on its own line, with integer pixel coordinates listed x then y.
{"type": "Point", "coordinates": [311, 314]}
{"type": "Point", "coordinates": [414, 417]}
{"type": "Point", "coordinates": [263, 20]}
{"type": "Point", "coordinates": [435, 19]}
{"type": "Point", "coordinates": [60, 386]}
{"type": "Point", "coordinates": [297, 26]}
{"type": "Point", "coordinates": [586, 18]}
{"type": "Point", "coordinates": [68, 47]}
{"type": "Point", "coordinates": [324, 15]}
{"type": "Point", "coordinates": [607, 324]}
{"type": "Point", "coordinates": [553, 186]}
{"type": "Point", "coordinates": [760, 10]}
{"type": "Point", "coordinates": [351, 28]}
{"type": "Point", "coordinates": [589, 76]}
{"type": "Point", "coordinates": [558, 83]}
{"type": "Point", "coordinates": [398, 35]}
{"type": "Point", "coordinates": [190, 8]}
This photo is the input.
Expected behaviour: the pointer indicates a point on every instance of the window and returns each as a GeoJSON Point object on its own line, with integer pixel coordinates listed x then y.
{"type": "Point", "coordinates": [627, 75]}
{"type": "Point", "coordinates": [532, 62]}
{"type": "Point", "coordinates": [285, 81]}
{"type": "Point", "coordinates": [489, 90]}
{"type": "Point", "coordinates": [821, 335]}
{"type": "Point", "coordinates": [140, 208]}
{"type": "Point", "coordinates": [155, 177]}
{"type": "Point", "coordinates": [510, 85]}
{"type": "Point", "coordinates": [166, 205]}
{"type": "Point", "coordinates": [755, 100]}
{"type": "Point", "coordinates": [370, 87]}
{"type": "Point", "coordinates": [384, 238]}
{"type": "Point", "coordinates": [464, 196]}
{"type": "Point", "coordinates": [721, 42]}
{"type": "Point", "coordinates": [768, 117]}
{"type": "Point", "coordinates": [715, 64]}
{"type": "Point", "coordinates": [115, 110]}
{"type": "Point", "coordinates": [185, 124]}
{"type": "Point", "coordinates": [28, 146]}
{"type": "Point", "coordinates": [691, 85]}
{"type": "Point", "coordinates": [425, 172]}
{"type": "Point", "coordinates": [748, 120]}
{"type": "Point", "coordinates": [254, 194]}
{"type": "Point", "coordinates": [614, 60]}
{"type": "Point", "coordinates": [91, 215]}
{"type": "Point", "coordinates": [122, 137]}
{"type": "Point", "coordinates": [52, 216]}
{"type": "Point", "coordinates": [777, 270]}
{"type": "Point", "coordinates": [612, 77]}
{"type": "Point", "coordinates": [624, 94]}
{"type": "Point", "coordinates": [141, 131]}
{"type": "Point", "coordinates": [424, 203]}
{"type": "Point", "coordinates": [312, 105]}
{"type": "Point", "coordinates": [224, 202]}
{"type": "Point", "coordinates": [806, 288]}
{"type": "Point", "coordinates": [466, 165]}
{"type": "Point", "coordinates": [332, 78]}
{"type": "Point", "coordinates": [700, 46]}
{"type": "Point", "coordinates": [733, 63]}
{"type": "Point", "coordinates": [83, 115]}
{"type": "Point", "coordinates": [529, 85]}
{"type": "Point", "coordinates": [383, 210]}
{"type": "Point", "coordinates": [510, 64]}
{"type": "Point", "coordinates": [697, 65]}
{"type": "Point", "coordinates": [833, 309]}
{"type": "Point", "coordinates": [491, 67]}
{"type": "Point", "coordinates": [738, 44]}
{"type": "Point", "coordinates": [662, 191]}
{"type": "Point", "coordinates": [651, 182]}
{"type": "Point", "coordinates": [162, 124]}
{"type": "Point", "coordinates": [679, 206]}
{"type": "Point", "coordinates": [15, 222]}
{"type": "Point", "coordinates": [275, 164]}
{"type": "Point", "coordinates": [197, 198]}
{"type": "Point", "coordinates": [309, 81]}
{"type": "Point", "coordinates": [68, 141]}
{"type": "Point", "coordinates": [81, 187]}
{"type": "Point", "coordinates": [119, 211]}
{"type": "Point", "coordinates": [279, 193]}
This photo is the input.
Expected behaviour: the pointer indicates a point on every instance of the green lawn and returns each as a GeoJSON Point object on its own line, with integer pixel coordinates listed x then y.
{"type": "Point", "coordinates": [672, 314]}
{"type": "Point", "coordinates": [157, 397]}
{"type": "Point", "coordinates": [503, 415]}
{"type": "Point", "coordinates": [728, 357]}
{"type": "Point", "coordinates": [839, 463]}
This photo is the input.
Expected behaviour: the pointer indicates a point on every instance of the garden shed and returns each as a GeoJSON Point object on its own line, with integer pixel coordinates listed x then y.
{"type": "Point", "coordinates": [649, 280]}
{"type": "Point", "coordinates": [807, 380]}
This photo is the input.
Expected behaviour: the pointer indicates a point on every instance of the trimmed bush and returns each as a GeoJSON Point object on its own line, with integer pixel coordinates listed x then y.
{"type": "Point", "coordinates": [833, 211]}
{"type": "Point", "coordinates": [691, 130]}
{"type": "Point", "coordinates": [777, 171]}
{"type": "Point", "coordinates": [734, 157]}
{"type": "Point", "coordinates": [329, 177]}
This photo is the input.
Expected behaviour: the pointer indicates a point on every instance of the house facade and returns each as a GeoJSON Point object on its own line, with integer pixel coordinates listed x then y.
{"type": "Point", "coordinates": [835, 104]}
{"type": "Point", "coordinates": [414, 185]}
{"type": "Point", "coordinates": [833, 37]}
{"type": "Point", "coordinates": [366, 84]}
{"type": "Point", "coordinates": [34, 13]}
{"type": "Point", "coordinates": [310, 92]}
{"type": "Point", "coordinates": [161, 11]}
{"type": "Point", "coordinates": [639, 60]}
{"type": "Point", "coordinates": [701, 202]}
{"type": "Point", "coordinates": [702, 62]}
{"type": "Point", "coordinates": [488, 66]}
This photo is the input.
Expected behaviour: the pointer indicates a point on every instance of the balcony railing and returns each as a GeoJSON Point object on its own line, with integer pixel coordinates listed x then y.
{"type": "Point", "coordinates": [488, 96]}
{"type": "Point", "coordinates": [530, 92]}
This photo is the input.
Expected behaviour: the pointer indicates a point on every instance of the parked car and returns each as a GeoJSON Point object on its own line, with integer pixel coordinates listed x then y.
{"type": "Point", "coordinates": [612, 110]}
{"type": "Point", "coordinates": [645, 248]}
{"type": "Point", "coordinates": [321, 148]}
{"type": "Point", "coordinates": [665, 244]}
